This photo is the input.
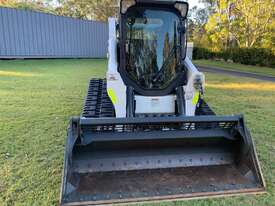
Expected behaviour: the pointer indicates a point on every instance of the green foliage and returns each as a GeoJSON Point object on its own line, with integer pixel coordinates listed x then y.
{"type": "Point", "coordinates": [249, 56]}
{"type": "Point", "coordinates": [241, 23]}
{"type": "Point", "coordinates": [29, 5]}
{"type": "Point", "coordinates": [88, 9]}
{"type": "Point", "coordinates": [202, 53]}
{"type": "Point", "coordinates": [253, 56]}
{"type": "Point", "coordinates": [83, 9]}
{"type": "Point", "coordinates": [197, 18]}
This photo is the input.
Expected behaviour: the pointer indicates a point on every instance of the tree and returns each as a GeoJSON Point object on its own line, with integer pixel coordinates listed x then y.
{"type": "Point", "coordinates": [253, 21]}
{"type": "Point", "coordinates": [36, 5]}
{"type": "Point", "coordinates": [242, 23]}
{"type": "Point", "coordinates": [88, 9]}
{"type": "Point", "coordinates": [197, 19]}
{"type": "Point", "coordinates": [85, 9]}
{"type": "Point", "coordinates": [7, 3]}
{"type": "Point", "coordinates": [219, 25]}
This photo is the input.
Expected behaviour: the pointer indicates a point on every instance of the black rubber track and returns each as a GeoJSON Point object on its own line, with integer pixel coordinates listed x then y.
{"type": "Point", "coordinates": [204, 109]}
{"type": "Point", "coordinates": [98, 103]}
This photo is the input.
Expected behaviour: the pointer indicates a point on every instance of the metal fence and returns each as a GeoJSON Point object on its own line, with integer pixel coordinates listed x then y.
{"type": "Point", "coordinates": [30, 34]}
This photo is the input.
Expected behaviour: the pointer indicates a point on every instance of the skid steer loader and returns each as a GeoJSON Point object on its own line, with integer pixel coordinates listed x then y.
{"type": "Point", "coordinates": [146, 133]}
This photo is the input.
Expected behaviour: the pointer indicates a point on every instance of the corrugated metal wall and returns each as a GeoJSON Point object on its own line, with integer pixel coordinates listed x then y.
{"type": "Point", "coordinates": [29, 34]}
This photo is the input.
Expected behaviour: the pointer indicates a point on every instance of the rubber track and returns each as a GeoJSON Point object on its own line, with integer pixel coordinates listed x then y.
{"type": "Point", "coordinates": [204, 109]}
{"type": "Point", "coordinates": [98, 103]}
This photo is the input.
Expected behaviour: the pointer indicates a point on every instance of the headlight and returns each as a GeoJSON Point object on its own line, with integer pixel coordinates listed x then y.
{"type": "Point", "coordinates": [125, 4]}
{"type": "Point", "coordinates": [182, 7]}
{"type": "Point", "coordinates": [198, 82]}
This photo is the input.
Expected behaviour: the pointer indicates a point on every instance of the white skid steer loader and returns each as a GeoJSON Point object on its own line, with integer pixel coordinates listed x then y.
{"type": "Point", "coordinates": [145, 133]}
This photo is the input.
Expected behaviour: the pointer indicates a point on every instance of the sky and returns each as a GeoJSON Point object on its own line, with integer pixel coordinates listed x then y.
{"type": "Point", "coordinates": [193, 3]}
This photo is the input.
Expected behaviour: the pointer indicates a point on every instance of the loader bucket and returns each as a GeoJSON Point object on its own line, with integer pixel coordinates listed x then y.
{"type": "Point", "coordinates": [123, 160]}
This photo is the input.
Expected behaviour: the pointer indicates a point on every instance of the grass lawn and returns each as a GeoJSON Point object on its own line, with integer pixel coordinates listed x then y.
{"type": "Point", "coordinates": [37, 98]}
{"type": "Point", "coordinates": [234, 66]}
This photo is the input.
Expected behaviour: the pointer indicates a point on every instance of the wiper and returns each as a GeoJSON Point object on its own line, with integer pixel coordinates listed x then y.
{"type": "Point", "coordinates": [166, 63]}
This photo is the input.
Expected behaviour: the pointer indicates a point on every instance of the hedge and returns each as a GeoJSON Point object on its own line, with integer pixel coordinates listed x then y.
{"type": "Point", "coordinates": [250, 56]}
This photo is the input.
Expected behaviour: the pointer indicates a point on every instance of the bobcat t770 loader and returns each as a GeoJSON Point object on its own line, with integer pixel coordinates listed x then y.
{"type": "Point", "coordinates": [145, 132]}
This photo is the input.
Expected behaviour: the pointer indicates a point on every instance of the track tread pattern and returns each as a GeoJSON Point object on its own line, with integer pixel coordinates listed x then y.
{"type": "Point", "coordinates": [204, 109]}
{"type": "Point", "coordinates": [98, 103]}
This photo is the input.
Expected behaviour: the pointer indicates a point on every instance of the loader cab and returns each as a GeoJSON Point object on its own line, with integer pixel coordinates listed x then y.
{"type": "Point", "coordinates": [152, 45]}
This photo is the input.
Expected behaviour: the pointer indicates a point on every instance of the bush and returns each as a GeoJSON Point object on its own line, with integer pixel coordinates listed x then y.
{"type": "Point", "coordinates": [202, 53]}
{"type": "Point", "coordinates": [250, 56]}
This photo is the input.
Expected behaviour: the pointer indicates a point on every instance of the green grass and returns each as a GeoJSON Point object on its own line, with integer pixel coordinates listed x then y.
{"type": "Point", "coordinates": [234, 66]}
{"type": "Point", "coordinates": [37, 98]}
